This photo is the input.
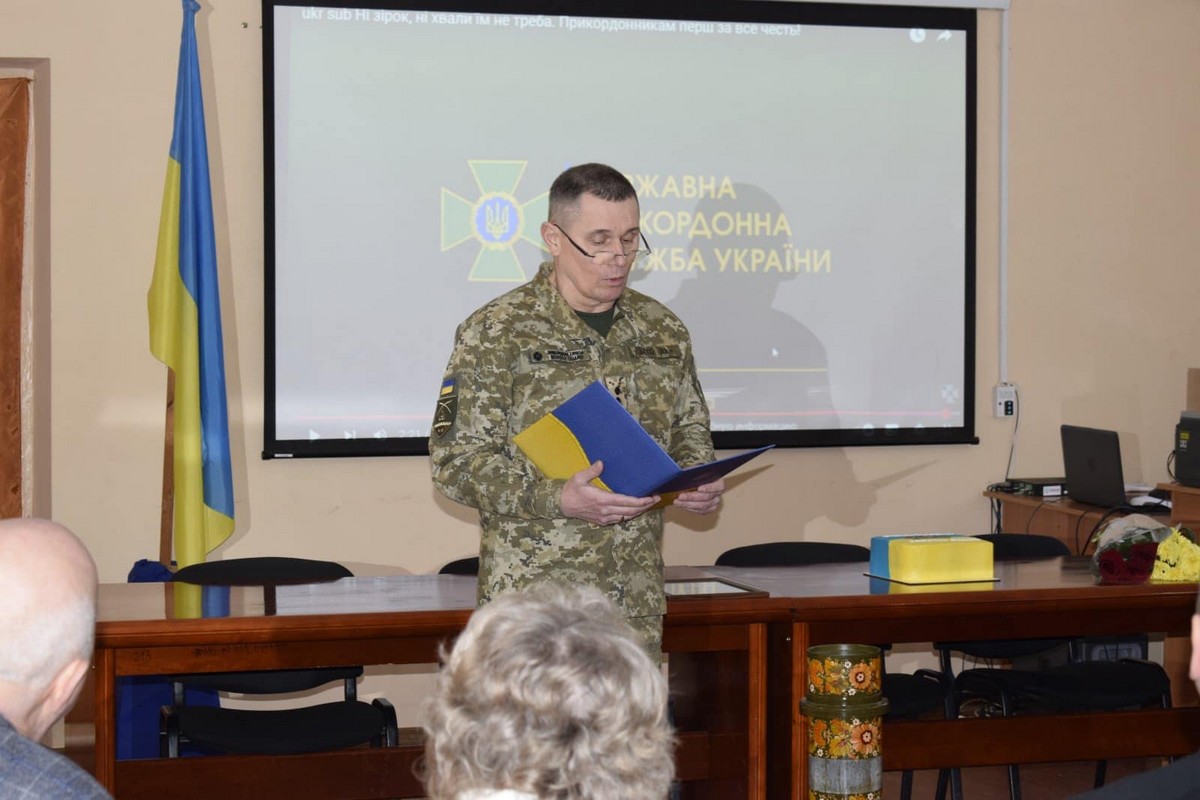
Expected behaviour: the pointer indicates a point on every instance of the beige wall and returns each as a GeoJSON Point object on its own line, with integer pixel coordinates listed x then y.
{"type": "Point", "coordinates": [1105, 164]}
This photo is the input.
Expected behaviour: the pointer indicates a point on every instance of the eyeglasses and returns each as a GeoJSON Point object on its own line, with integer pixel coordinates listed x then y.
{"type": "Point", "coordinates": [605, 257]}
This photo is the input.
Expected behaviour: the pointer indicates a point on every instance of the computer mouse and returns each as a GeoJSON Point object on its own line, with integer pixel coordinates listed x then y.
{"type": "Point", "coordinates": [1144, 500]}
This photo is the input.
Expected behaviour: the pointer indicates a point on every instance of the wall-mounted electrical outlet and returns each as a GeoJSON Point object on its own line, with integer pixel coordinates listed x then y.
{"type": "Point", "coordinates": [1004, 399]}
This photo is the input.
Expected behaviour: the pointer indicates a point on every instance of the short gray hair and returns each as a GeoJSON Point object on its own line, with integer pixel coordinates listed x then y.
{"type": "Point", "coordinates": [549, 691]}
{"type": "Point", "coordinates": [600, 180]}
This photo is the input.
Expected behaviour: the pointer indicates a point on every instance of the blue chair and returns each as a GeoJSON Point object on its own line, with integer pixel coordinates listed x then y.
{"type": "Point", "coordinates": [140, 698]}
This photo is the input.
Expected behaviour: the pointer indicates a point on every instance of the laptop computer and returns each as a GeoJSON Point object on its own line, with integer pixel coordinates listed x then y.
{"type": "Point", "coordinates": [1092, 465]}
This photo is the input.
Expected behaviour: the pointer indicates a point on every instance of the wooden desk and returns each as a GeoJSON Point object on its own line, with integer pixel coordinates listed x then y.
{"type": "Point", "coordinates": [1074, 523]}
{"type": "Point", "coordinates": [716, 650]}
{"type": "Point", "coordinates": [1177, 651]}
{"type": "Point", "coordinates": [1185, 505]}
{"type": "Point", "coordinates": [1064, 519]}
{"type": "Point", "coordinates": [1056, 597]}
{"type": "Point", "coordinates": [737, 670]}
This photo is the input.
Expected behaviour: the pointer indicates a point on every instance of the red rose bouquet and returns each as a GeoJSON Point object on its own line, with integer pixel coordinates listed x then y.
{"type": "Point", "coordinates": [1125, 549]}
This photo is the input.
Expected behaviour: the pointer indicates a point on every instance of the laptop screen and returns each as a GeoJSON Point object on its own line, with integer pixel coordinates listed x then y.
{"type": "Point", "coordinates": [1092, 465]}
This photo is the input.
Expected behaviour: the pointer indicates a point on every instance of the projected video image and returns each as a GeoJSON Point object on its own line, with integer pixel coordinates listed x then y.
{"type": "Point", "coordinates": [806, 190]}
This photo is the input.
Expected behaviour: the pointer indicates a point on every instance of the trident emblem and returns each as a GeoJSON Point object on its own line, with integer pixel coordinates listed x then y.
{"type": "Point", "coordinates": [497, 219]}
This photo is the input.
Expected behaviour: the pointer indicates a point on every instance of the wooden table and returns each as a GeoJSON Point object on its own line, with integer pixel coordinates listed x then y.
{"type": "Point", "coordinates": [1060, 517]}
{"type": "Point", "coordinates": [1074, 523]}
{"type": "Point", "coordinates": [716, 652]}
{"type": "Point", "coordinates": [1056, 597]}
{"type": "Point", "coordinates": [736, 669]}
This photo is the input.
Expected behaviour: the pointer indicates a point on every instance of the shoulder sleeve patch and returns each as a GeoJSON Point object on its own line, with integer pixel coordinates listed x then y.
{"type": "Point", "coordinates": [447, 407]}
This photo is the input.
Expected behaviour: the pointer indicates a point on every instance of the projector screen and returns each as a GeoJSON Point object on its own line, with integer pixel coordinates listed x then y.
{"type": "Point", "coordinates": [805, 174]}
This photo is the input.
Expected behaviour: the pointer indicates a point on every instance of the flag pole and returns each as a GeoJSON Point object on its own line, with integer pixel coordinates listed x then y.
{"type": "Point", "coordinates": [185, 333]}
{"type": "Point", "coordinates": [167, 520]}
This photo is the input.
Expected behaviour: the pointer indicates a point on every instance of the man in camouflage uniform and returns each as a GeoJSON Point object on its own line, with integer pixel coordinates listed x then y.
{"type": "Point", "coordinates": [520, 356]}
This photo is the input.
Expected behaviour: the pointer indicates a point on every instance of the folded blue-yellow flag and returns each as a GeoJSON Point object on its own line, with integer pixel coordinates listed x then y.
{"type": "Point", "coordinates": [593, 426]}
{"type": "Point", "coordinates": [185, 322]}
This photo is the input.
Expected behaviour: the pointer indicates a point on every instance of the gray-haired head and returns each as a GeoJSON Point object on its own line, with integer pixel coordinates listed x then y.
{"type": "Point", "coordinates": [549, 692]}
{"type": "Point", "coordinates": [47, 622]}
{"type": "Point", "coordinates": [48, 607]}
{"type": "Point", "coordinates": [600, 180]}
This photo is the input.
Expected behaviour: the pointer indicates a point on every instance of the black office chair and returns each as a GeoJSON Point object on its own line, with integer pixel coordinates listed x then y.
{"type": "Point", "coordinates": [1078, 685]}
{"type": "Point", "coordinates": [793, 554]}
{"type": "Point", "coordinates": [910, 696]}
{"type": "Point", "coordinates": [306, 729]}
{"type": "Point", "coordinates": [463, 566]}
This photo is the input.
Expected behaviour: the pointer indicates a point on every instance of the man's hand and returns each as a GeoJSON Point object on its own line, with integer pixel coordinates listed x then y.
{"type": "Point", "coordinates": [581, 500]}
{"type": "Point", "coordinates": [702, 500]}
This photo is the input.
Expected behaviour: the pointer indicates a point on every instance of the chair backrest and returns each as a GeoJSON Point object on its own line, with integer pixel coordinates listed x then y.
{"type": "Point", "coordinates": [463, 566]}
{"type": "Point", "coordinates": [261, 571]}
{"type": "Point", "coordinates": [793, 554]}
{"type": "Point", "coordinates": [1026, 546]}
{"type": "Point", "coordinates": [272, 681]}
{"type": "Point", "coordinates": [1010, 547]}
{"type": "Point", "coordinates": [266, 571]}
{"type": "Point", "coordinates": [1016, 546]}
{"type": "Point", "coordinates": [800, 554]}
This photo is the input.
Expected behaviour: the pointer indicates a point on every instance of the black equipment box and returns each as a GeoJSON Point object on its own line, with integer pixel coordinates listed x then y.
{"type": "Point", "coordinates": [1187, 449]}
{"type": "Point", "coordinates": [1039, 487]}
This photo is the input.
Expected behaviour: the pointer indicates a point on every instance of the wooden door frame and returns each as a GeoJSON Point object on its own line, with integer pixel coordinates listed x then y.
{"type": "Point", "coordinates": [15, 115]}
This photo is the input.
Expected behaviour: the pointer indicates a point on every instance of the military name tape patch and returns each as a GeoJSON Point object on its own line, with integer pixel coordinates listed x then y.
{"type": "Point", "coordinates": [658, 351]}
{"type": "Point", "coordinates": [559, 356]}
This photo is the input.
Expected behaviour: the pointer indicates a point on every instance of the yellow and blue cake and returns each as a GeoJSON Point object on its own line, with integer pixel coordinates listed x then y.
{"type": "Point", "coordinates": [931, 558]}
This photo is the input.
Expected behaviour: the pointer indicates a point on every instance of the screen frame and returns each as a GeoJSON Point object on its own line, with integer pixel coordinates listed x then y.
{"type": "Point", "coordinates": [769, 11]}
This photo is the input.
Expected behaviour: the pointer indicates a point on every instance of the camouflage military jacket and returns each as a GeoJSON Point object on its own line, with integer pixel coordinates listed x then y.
{"type": "Point", "coordinates": [514, 360]}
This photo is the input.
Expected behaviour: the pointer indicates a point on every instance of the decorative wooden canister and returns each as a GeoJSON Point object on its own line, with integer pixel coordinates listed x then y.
{"type": "Point", "coordinates": [844, 706]}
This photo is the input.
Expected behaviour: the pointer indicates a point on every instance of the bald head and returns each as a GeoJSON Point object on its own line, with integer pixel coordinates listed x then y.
{"type": "Point", "coordinates": [47, 601]}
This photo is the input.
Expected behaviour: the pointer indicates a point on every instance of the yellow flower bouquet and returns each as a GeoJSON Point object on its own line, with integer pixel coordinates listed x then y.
{"type": "Point", "coordinates": [1177, 558]}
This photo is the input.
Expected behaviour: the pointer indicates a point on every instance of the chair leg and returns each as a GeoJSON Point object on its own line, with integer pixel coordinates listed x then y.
{"type": "Point", "coordinates": [952, 776]}
{"type": "Point", "coordinates": [906, 779]}
{"type": "Point", "coordinates": [1101, 770]}
{"type": "Point", "coordinates": [1165, 702]}
{"type": "Point", "coordinates": [949, 778]}
{"type": "Point", "coordinates": [168, 733]}
{"type": "Point", "coordinates": [390, 734]}
{"type": "Point", "coordinates": [1008, 709]}
{"type": "Point", "coordinates": [1014, 782]}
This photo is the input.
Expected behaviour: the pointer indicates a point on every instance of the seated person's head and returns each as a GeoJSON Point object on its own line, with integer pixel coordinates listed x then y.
{"type": "Point", "coordinates": [549, 692]}
{"type": "Point", "coordinates": [47, 622]}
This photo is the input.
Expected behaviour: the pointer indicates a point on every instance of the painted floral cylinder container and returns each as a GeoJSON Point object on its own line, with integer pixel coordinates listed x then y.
{"type": "Point", "coordinates": [844, 707]}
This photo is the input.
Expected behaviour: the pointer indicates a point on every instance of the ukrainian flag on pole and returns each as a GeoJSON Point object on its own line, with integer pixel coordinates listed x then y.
{"type": "Point", "coordinates": [185, 322]}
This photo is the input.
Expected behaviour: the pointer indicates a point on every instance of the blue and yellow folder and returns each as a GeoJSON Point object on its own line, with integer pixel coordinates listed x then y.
{"type": "Point", "coordinates": [594, 426]}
